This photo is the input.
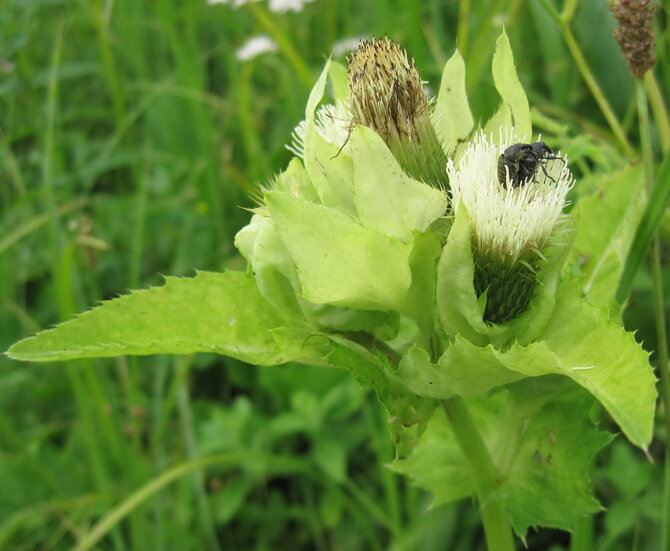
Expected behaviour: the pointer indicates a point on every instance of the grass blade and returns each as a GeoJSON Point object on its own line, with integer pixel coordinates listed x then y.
{"type": "Point", "coordinates": [658, 202]}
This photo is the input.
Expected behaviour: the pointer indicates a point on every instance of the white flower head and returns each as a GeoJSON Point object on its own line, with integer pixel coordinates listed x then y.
{"type": "Point", "coordinates": [234, 3]}
{"type": "Point", "coordinates": [508, 222]}
{"type": "Point", "coordinates": [332, 123]}
{"type": "Point", "coordinates": [255, 46]}
{"type": "Point", "coordinates": [283, 6]}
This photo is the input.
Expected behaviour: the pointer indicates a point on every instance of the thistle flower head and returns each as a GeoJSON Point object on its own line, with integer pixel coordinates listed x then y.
{"type": "Point", "coordinates": [386, 93]}
{"type": "Point", "coordinates": [386, 90]}
{"type": "Point", "coordinates": [635, 34]}
{"type": "Point", "coordinates": [507, 222]}
{"type": "Point", "coordinates": [509, 225]}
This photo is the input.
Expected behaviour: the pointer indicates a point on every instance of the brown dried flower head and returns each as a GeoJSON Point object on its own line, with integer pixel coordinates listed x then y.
{"type": "Point", "coordinates": [385, 89]}
{"type": "Point", "coordinates": [635, 34]}
{"type": "Point", "coordinates": [386, 94]}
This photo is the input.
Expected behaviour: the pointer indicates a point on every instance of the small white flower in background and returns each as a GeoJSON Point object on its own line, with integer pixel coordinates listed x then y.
{"type": "Point", "coordinates": [233, 3]}
{"type": "Point", "coordinates": [507, 222]}
{"type": "Point", "coordinates": [283, 6]}
{"type": "Point", "coordinates": [332, 122]}
{"type": "Point", "coordinates": [255, 46]}
{"type": "Point", "coordinates": [346, 45]}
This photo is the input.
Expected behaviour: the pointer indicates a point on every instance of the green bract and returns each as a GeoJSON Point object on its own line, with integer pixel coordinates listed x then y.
{"type": "Point", "coordinates": [353, 263]}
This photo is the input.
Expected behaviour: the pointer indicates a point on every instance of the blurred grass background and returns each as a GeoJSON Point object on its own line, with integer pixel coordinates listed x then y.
{"type": "Point", "coordinates": [130, 137]}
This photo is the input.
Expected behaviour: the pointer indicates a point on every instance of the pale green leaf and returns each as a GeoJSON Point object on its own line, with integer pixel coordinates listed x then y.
{"type": "Point", "coordinates": [246, 237]}
{"type": "Point", "coordinates": [338, 260]}
{"type": "Point", "coordinates": [296, 180]}
{"type": "Point", "coordinates": [316, 94]}
{"type": "Point", "coordinates": [383, 325]}
{"type": "Point", "coordinates": [452, 117]}
{"type": "Point", "coordinates": [464, 369]}
{"type": "Point", "coordinates": [617, 370]}
{"type": "Point", "coordinates": [502, 118]}
{"type": "Point", "coordinates": [338, 78]}
{"type": "Point", "coordinates": [386, 198]}
{"type": "Point", "coordinates": [274, 270]}
{"type": "Point", "coordinates": [420, 298]}
{"type": "Point", "coordinates": [212, 312]}
{"type": "Point", "coordinates": [330, 170]}
{"type": "Point", "coordinates": [582, 343]}
{"type": "Point", "coordinates": [608, 220]}
{"type": "Point", "coordinates": [509, 87]}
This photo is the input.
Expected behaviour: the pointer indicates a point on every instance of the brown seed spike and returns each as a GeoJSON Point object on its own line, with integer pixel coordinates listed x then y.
{"type": "Point", "coordinates": [635, 34]}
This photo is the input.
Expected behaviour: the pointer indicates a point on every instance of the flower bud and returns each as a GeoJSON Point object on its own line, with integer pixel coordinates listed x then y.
{"type": "Point", "coordinates": [386, 94]}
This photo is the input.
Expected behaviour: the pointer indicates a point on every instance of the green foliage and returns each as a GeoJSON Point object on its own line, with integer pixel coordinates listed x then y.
{"type": "Point", "coordinates": [222, 313]}
{"type": "Point", "coordinates": [344, 271]}
{"type": "Point", "coordinates": [656, 207]}
{"type": "Point", "coordinates": [543, 443]}
{"type": "Point", "coordinates": [129, 136]}
{"type": "Point", "coordinates": [514, 111]}
{"type": "Point", "coordinates": [608, 216]}
{"type": "Point", "coordinates": [452, 117]}
{"type": "Point", "coordinates": [386, 198]}
{"type": "Point", "coordinates": [326, 256]}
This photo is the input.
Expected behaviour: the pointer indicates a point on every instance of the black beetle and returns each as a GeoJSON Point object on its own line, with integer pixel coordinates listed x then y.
{"type": "Point", "coordinates": [522, 160]}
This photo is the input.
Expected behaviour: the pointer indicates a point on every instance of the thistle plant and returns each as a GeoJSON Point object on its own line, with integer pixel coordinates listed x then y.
{"type": "Point", "coordinates": [391, 247]}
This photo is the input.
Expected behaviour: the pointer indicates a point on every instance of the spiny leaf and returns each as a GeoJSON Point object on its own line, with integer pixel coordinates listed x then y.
{"type": "Point", "coordinates": [212, 312]}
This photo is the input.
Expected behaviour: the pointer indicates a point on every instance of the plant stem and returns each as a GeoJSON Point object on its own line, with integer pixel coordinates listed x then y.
{"type": "Point", "coordinates": [496, 525]}
{"type": "Point", "coordinates": [598, 95]}
{"type": "Point", "coordinates": [563, 22]}
{"type": "Point", "coordinates": [568, 10]}
{"type": "Point", "coordinates": [659, 312]}
{"type": "Point", "coordinates": [551, 11]}
{"type": "Point", "coordinates": [658, 109]}
{"type": "Point", "coordinates": [463, 17]}
{"type": "Point", "coordinates": [582, 534]}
